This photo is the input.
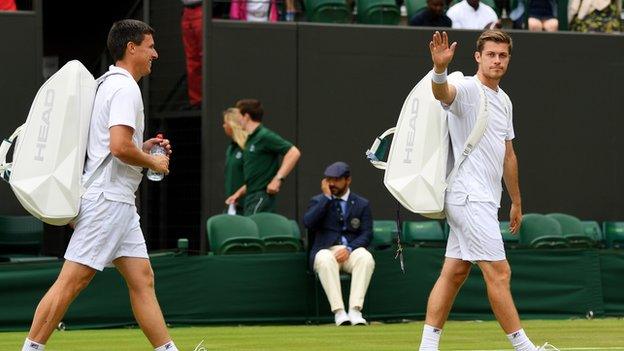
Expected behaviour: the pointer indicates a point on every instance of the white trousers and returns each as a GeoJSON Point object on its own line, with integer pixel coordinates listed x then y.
{"type": "Point", "coordinates": [361, 266]}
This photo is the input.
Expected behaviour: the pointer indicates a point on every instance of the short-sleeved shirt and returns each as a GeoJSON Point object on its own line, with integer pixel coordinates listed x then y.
{"type": "Point", "coordinates": [427, 18]}
{"type": "Point", "coordinates": [117, 102]}
{"type": "Point", "coordinates": [234, 177]}
{"type": "Point", "coordinates": [465, 16]}
{"type": "Point", "coordinates": [261, 157]}
{"type": "Point", "coordinates": [479, 177]}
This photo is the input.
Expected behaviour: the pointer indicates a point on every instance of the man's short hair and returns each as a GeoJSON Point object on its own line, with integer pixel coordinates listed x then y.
{"type": "Point", "coordinates": [252, 107]}
{"type": "Point", "coordinates": [125, 31]}
{"type": "Point", "coordinates": [495, 35]}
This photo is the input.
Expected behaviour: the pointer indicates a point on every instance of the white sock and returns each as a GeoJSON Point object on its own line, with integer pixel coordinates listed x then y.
{"type": "Point", "coordinates": [170, 346]}
{"type": "Point", "coordinates": [30, 345]}
{"type": "Point", "coordinates": [430, 338]}
{"type": "Point", "coordinates": [520, 341]}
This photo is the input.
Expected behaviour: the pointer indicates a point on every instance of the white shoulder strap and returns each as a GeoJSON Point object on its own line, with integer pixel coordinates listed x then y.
{"type": "Point", "coordinates": [371, 153]}
{"type": "Point", "coordinates": [98, 171]}
{"type": "Point", "coordinates": [5, 168]}
{"type": "Point", "coordinates": [475, 135]}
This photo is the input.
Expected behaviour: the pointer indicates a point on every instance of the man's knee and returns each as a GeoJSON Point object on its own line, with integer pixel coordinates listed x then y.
{"type": "Point", "coordinates": [496, 273]}
{"type": "Point", "coordinates": [365, 258]}
{"type": "Point", "coordinates": [324, 259]}
{"type": "Point", "coordinates": [145, 279]}
{"type": "Point", "coordinates": [456, 274]}
{"type": "Point", "coordinates": [73, 282]}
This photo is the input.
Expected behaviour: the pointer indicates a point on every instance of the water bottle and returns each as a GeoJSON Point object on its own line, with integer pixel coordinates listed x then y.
{"type": "Point", "coordinates": [156, 150]}
{"type": "Point", "coordinates": [232, 209]}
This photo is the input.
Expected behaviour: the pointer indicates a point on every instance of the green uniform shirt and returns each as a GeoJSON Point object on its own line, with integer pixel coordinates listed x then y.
{"type": "Point", "coordinates": [261, 157]}
{"type": "Point", "coordinates": [234, 177]}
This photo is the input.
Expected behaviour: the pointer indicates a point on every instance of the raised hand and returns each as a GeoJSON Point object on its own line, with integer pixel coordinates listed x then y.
{"type": "Point", "coordinates": [441, 52]}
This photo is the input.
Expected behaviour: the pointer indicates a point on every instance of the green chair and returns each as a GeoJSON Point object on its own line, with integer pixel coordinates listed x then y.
{"type": "Point", "coordinates": [572, 229]}
{"type": "Point", "coordinates": [510, 240]}
{"type": "Point", "coordinates": [540, 231]}
{"type": "Point", "coordinates": [328, 11]}
{"type": "Point", "coordinates": [233, 234]}
{"type": "Point", "coordinates": [296, 232]}
{"type": "Point", "coordinates": [384, 232]}
{"type": "Point", "coordinates": [592, 229]}
{"type": "Point", "coordinates": [277, 232]}
{"type": "Point", "coordinates": [378, 12]}
{"type": "Point", "coordinates": [614, 234]}
{"type": "Point", "coordinates": [414, 6]}
{"type": "Point", "coordinates": [20, 235]}
{"type": "Point", "coordinates": [423, 234]}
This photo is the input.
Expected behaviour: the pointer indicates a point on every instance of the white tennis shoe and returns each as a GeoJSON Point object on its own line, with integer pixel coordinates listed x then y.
{"type": "Point", "coordinates": [341, 317]}
{"type": "Point", "coordinates": [356, 317]}
{"type": "Point", "coordinates": [547, 347]}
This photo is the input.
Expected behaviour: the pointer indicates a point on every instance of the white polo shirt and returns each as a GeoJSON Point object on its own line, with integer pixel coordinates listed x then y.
{"type": "Point", "coordinates": [479, 177]}
{"type": "Point", "coordinates": [464, 16]}
{"type": "Point", "coordinates": [117, 102]}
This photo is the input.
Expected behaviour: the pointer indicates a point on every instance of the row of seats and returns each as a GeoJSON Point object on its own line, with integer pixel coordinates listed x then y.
{"type": "Point", "coordinates": [269, 232]}
{"type": "Point", "coordinates": [368, 11]}
{"type": "Point", "coordinates": [555, 230]}
{"type": "Point", "coordinates": [20, 236]}
{"type": "Point", "coordinates": [258, 233]}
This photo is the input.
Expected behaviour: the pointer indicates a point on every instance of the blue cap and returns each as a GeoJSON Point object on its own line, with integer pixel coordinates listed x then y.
{"type": "Point", "coordinates": [338, 170]}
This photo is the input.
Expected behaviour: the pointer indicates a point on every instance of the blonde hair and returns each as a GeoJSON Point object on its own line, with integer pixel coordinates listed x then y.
{"type": "Point", "coordinates": [231, 117]}
{"type": "Point", "coordinates": [495, 35]}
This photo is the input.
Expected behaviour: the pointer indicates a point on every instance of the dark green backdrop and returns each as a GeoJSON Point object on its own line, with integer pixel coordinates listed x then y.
{"type": "Point", "coordinates": [277, 288]}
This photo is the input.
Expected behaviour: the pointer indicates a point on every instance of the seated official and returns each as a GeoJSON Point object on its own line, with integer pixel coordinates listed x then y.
{"type": "Point", "coordinates": [341, 224]}
{"type": "Point", "coordinates": [431, 16]}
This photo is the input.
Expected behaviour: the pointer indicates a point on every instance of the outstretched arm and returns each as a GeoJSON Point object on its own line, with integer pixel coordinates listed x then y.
{"type": "Point", "coordinates": [442, 55]}
{"type": "Point", "coordinates": [510, 175]}
{"type": "Point", "coordinates": [288, 163]}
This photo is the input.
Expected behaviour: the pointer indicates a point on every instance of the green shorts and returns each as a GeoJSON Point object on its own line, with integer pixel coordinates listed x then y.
{"type": "Point", "coordinates": [259, 201]}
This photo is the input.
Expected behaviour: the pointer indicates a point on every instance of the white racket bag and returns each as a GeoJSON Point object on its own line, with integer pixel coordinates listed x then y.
{"type": "Point", "coordinates": [420, 163]}
{"type": "Point", "coordinates": [49, 149]}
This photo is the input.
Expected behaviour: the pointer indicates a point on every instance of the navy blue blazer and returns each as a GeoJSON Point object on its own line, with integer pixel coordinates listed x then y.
{"type": "Point", "coordinates": [322, 219]}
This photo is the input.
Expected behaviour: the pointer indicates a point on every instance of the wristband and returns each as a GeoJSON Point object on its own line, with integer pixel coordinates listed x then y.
{"type": "Point", "coordinates": [438, 78]}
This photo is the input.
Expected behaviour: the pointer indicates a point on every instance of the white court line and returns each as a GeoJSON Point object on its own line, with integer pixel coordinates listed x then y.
{"type": "Point", "coordinates": [565, 349]}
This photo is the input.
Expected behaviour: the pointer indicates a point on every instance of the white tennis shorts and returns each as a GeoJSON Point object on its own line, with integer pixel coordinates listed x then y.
{"type": "Point", "coordinates": [105, 230]}
{"type": "Point", "coordinates": [475, 233]}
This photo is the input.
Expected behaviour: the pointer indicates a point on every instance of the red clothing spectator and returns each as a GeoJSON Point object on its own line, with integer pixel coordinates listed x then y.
{"type": "Point", "coordinates": [7, 5]}
{"type": "Point", "coordinates": [192, 38]}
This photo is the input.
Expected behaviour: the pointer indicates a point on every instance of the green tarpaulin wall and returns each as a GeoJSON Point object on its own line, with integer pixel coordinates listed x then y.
{"type": "Point", "coordinates": [277, 288]}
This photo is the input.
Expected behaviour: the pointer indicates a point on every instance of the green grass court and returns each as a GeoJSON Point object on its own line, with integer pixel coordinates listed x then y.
{"type": "Point", "coordinates": [594, 335]}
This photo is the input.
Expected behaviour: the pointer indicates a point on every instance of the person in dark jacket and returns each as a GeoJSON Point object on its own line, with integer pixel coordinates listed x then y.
{"type": "Point", "coordinates": [431, 16]}
{"type": "Point", "coordinates": [341, 227]}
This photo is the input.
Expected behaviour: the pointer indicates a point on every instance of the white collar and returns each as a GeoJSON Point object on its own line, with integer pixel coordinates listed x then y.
{"type": "Point", "coordinates": [116, 69]}
{"type": "Point", "coordinates": [345, 196]}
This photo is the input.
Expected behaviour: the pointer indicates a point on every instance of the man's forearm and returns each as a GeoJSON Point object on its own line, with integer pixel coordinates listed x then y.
{"type": "Point", "coordinates": [241, 191]}
{"type": "Point", "coordinates": [288, 163]}
{"type": "Point", "coordinates": [132, 155]}
{"type": "Point", "coordinates": [510, 175]}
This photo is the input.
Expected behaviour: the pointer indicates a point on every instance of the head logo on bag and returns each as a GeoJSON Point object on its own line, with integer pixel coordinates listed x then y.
{"type": "Point", "coordinates": [420, 161]}
{"type": "Point", "coordinates": [49, 154]}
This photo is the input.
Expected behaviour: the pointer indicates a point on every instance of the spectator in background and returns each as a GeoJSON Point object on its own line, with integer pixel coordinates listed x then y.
{"type": "Point", "coordinates": [595, 15]}
{"type": "Point", "coordinates": [192, 38]}
{"type": "Point", "coordinates": [8, 5]}
{"type": "Point", "coordinates": [260, 10]}
{"type": "Point", "coordinates": [472, 14]}
{"type": "Point", "coordinates": [341, 226]}
{"type": "Point", "coordinates": [543, 16]}
{"type": "Point", "coordinates": [431, 16]}
{"type": "Point", "coordinates": [234, 177]}
{"type": "Point", "coordinates": [264, 174]}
